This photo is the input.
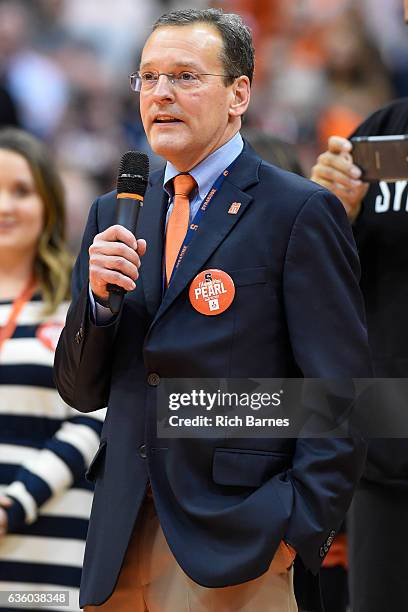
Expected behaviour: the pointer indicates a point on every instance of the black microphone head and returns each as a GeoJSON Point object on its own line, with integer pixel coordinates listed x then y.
{"type": "Point", "coordinates": [133, 173]}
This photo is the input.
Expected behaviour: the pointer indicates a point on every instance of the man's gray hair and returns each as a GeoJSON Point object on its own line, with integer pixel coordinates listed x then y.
{"type": "Point", "coordinates": [238, 52]}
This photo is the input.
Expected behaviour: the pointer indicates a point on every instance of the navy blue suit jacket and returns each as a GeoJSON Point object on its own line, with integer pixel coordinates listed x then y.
{"type": "Point", "coordinates": [224, 505]}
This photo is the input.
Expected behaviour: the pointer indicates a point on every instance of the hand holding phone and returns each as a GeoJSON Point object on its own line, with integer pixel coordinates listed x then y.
{"type": "Point", "coordinates": [335, 170]}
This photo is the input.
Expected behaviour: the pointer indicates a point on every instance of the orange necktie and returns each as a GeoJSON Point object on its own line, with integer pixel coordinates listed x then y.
{"type": "Point", "coordinates": [179, 219]}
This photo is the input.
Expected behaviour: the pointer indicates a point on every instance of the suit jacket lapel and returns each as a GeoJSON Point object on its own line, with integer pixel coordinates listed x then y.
{"type": "Point", "coordinates": [216, 224]}
{"type": "Point", "coordinates": [151, 228]}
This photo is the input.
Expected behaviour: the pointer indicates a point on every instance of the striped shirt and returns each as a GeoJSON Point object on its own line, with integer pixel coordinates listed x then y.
{"type": "Point", "coordinates": [45, 448]}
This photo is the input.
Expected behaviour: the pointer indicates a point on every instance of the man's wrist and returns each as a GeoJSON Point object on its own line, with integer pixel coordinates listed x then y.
{"type": "Point", "coordinates": [101, 301]}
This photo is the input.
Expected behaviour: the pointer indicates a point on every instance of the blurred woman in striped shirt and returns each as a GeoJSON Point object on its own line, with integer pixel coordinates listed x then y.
{"type": "Point", "coordinates": [45, 446]}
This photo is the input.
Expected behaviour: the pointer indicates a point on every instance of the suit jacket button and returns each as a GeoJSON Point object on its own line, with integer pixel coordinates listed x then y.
{"type": "Point", "coordinates": [153, 380]}
{"type": "Point", "coordinates": [79, 335]}
{"type": "Point", "coordinates": [142, 451]}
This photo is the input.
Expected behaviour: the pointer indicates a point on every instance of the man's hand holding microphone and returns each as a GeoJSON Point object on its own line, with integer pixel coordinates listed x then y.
{"type": "Point", "coordinates": [114, 259]}
{"type": "Point", "coordinates": [114, 255]}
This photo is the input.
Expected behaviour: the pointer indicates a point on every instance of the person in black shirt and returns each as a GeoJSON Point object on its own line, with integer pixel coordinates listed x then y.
{"type": "Point", "coordinates": [8, 108]}
{"type": "Point", "coordinates": [379, 213]}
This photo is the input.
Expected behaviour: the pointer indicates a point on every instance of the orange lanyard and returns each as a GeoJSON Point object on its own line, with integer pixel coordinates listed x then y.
{"type": "Point", "coordinates": [7, 330]}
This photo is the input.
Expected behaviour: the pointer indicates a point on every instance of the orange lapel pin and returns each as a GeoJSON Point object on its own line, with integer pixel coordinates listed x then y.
{"type": "Point", "coordinates": [234, 208]}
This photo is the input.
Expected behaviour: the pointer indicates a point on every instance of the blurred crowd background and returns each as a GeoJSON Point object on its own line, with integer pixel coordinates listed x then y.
{"type": "Point", "coordinates": [322, 66]}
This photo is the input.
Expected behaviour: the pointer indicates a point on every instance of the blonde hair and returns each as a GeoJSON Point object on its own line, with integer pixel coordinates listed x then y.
{"type": "Point", "coordinates": [53, 262]}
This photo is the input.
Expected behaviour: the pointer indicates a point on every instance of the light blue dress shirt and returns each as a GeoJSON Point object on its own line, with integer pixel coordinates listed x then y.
{"type": "Point", "coordinates": [205, 175]}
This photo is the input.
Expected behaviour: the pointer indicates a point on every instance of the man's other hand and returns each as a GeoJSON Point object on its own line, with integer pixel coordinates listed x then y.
{"type": "Point", "coordinates": [114, 257]}
{"type": "Point", "coordinates": [335, 171]}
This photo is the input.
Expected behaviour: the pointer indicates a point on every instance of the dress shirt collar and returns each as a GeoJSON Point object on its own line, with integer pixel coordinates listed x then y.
{"type": "Point", "coordinates": [208, 170]}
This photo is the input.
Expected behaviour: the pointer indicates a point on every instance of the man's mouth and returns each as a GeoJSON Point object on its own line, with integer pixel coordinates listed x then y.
{"type": "Point", "coordinates": [166, 119]}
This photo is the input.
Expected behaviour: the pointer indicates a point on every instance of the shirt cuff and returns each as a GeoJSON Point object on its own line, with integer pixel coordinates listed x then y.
{"type": "Point", "coordinates": [100, 314]}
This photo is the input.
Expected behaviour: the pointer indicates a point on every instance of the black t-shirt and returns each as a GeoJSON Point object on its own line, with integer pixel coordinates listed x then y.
{"type": "Point", "coordinates": [381, 233]}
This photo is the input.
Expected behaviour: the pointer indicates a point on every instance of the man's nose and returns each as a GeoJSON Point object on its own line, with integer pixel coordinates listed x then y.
{"type": "Point", "coordinates": [163, 89]}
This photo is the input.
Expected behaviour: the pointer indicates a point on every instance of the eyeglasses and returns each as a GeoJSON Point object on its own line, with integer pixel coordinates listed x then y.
{"type": "Point", "coordinates": [146, 81]}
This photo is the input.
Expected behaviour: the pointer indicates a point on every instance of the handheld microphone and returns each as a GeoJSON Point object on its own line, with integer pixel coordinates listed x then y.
{"type": "Point", "coordinates": [132, 181]}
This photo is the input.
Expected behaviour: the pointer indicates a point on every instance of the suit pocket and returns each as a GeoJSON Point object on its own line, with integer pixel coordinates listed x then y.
{"type": "Point", "coordinates": [95, 465]}
{"type": "Point", "coordinates": [247, 468]}
{"type": "Point", "coordinates": [250, 276]}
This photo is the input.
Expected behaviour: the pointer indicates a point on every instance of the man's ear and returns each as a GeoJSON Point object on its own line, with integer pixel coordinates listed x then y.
{"type": "Point", "coordinates": [241, 94]}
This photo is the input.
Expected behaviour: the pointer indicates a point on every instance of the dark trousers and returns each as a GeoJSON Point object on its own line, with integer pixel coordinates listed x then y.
{"type": "Point", "coordinates": [334, 587]}
{"type": "Point", "coordinates": [378, 544]}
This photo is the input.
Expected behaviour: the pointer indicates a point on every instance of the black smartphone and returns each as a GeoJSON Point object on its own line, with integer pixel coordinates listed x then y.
{"type": "Point", "coordinates": [381, 158]}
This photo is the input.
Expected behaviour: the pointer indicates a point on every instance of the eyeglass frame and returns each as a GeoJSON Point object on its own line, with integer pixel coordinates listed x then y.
{"type": "Point", "coordinates": [171, 77]}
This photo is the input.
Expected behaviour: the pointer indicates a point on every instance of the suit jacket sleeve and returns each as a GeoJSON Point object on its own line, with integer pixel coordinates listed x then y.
{"type": "Point", "coordinates": [326, 323]}
{"type": "Point", "coordinates": [85, 388]}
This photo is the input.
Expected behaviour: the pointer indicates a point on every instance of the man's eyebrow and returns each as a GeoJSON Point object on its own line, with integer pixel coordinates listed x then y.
{"type": "Point", "coordinates": [178, 67]}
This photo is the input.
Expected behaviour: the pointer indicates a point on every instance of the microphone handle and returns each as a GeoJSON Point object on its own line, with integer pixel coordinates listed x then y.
{"type": "Point", "coordinates": [128, 214]}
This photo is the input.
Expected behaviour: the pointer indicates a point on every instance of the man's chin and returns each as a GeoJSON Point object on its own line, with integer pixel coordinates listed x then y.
{"type": "Point", "coordinates": [167, 147]}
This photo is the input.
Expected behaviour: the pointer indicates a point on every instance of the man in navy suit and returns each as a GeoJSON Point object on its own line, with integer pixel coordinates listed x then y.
{"type": "Point", "coordinates": [210, 524]}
